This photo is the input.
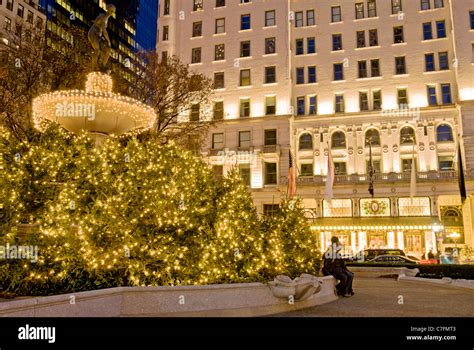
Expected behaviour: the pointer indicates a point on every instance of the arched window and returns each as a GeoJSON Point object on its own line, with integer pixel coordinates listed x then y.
{"type": "Point", "coordinates": [338, 140]}
{"type": "Point", "coordinates": [372, 136]}
{"type": "Point", "coordinates": [444, 133]}
{"type": "Point", "coordinates": [306, 142]}
{"type": "Point", "coordinates": [407, 136]}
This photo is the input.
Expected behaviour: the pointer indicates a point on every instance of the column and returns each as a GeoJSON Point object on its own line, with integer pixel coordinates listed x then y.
{"type": "Point", "coordinates": [391, 240]}
{"type": "Point", "coordinates": [362, 240]}
{"type": "Point", "coordinates": [400, 240]}
{"type": "Point", "coordinates": [353, 243]}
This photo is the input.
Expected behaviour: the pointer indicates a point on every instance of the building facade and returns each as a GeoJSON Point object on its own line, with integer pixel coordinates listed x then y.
{"type": "Point", "coordinates": [16, 14]}
{"type": "Point", "coordinates": [386, 85]}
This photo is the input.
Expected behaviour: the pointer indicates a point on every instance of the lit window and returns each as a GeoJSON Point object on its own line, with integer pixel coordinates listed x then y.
{"type": "Point", "coordinates": [245, 77]}
{"type": "Point", "coordinates": [270, 105]}
{"type": "Point", "coordinates": [336, 14]}
{"type": "Point", "coordinates": [270, 18]}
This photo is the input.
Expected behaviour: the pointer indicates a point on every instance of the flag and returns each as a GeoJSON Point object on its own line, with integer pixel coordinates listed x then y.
{"type": "Point", "coordinates": [371, 171]}
{"type": "Point", "coordinates": [413, 176]}
{"type": "Point", "coordinates": [462, 183]}
{"type": "Point", "coordinates": [291, 178]}
{"type": "Point", "coordinates": [330, 177]}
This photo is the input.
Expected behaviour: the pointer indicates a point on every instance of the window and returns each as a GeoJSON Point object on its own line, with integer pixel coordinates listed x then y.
{"type": "Point", "coordinates": [270, 18]}
{"type": "Point", "coordinates": [300, 105]}
{"type": "Point", "coordinates": [245, 49]}
{"type": "Point", "coordinates": [402, 97]}
{"type": "Point", "coordinates": [245, 77]}
{"type": "Point", "coordinates": [270, 75]}
{"type": "Point", "coordinates": [446, 94]}
{"type": "Point", "coordinates": [194, 112]}
{"type": "Point", "coordinates": [377, 99]}
{"type": "Point", "coordinates": [10, 5]}
{"type": "Point", "coordinates": [311, 74]}
{"type": "Point", "coordinates": [443, 61]}
{"type": "Point", "coordinates": [20, 11]}
{"type": "Point", "coordinates": [372, 137]}
{"type": "Point", "coordinates": [362, 69]}
{"type": "Point", "coordinates": [336, 42]}
{"type": "Point", "coordinates": [196, 55]}
{"type": "Point", "coordinates": [338, 140]}
{"type": "Point", "coordinates": [270, 209]}
{"type": "Point", "coordinates": [407, 164]}
{"type": "Point", "coordinates": [429, 62]}
{"type": "Point", "coordinates": [438, 4]}
{"type": "Point", "coordinates": [219, 52]}
{"type": "Point", "coordinates": [375, 68]}
{"type": "Point", "coordinates": [218, 141]}
{"type": "Point", "coordinates": [427, 31]}
{"type": "Point", "coordinates": [446, 163]}
{"type": "Point", "coordinates": [376, 166]}
{"type": "Point", "coordinates": [245, 22]}
{"type": "Point", "coordinates": [363, 101]}
{"type": "Point", "coordinates": [270, 47]}
{"type": "Point", "coordinates": [432, 98]}
{"type": "Point", "coordinates": [407, 135]}
{"type": "Point", "coordinates": [270, 105]}
{"type": "Point", "coordinates": [339, 104]}
{"type": "Point", "coordinates": [8, 24]}
{"type": "Point", "coordinates": [300, 75]}
{"type": "Point", "coordinates": [270, 137]}
{"type": "Point", "coordinates": [29, 17]}
{"type": "Point", "coordinates": [359, 10]}
{"type": "Point", "coordinates": [311, 45]}
{"type": "Point", "coordinates": [220, 25]}
{"type": "Point", "coordinates": [164, 56]}
{"type": "Point", "coordinates": [244, 139]}
{"type": "Point", "coordinates": [197, 29]}
{"type": "Point", "coordinates": [166, 33]}
{"type": "Point", "coordinates": [425, 5]}
{"type": "Point", "coordinates": [441, 29]}
{"type": "Point", "coordinates": [166, 8]}
{"type": "Point", "coordinates": [372, 8]}
{"type": "Point", "coordinates": [310, 18]}
{"type": "Point", "coordinates": [338, 71]}
{"type": "Point", "coordinates": [444, 133]}
{"type": "Point", "coordinates": [244, 171]}
{"type": "Point", "coordinates": [197, 5]}
{"type": "Point", "coordinates": [471, 18]}
{"type": "Point", "coordinates": [400, 67]}
{"type": "Point", "coordinates": [270, 173]}
{"type": "Point", "coordinates": [299, 46]}
{"type": "Point", "coordinates": [396, 6]}
{"type": "Point", "coordinates": [336, 14]}
{"type": "Point", "coordinates": [218, 111]}
{"type": "Point", "coordinates": [306, 169]}
{"type": "Point", "coordinates": [340, 168]}
{"type": "Point", "coordinates": [360, 39]}
{"type": "Point", "coordinates": [218, 172]}
{"type": "Point", "coordinates": [298, 19]}
{"type": "Point", "coordinates": [398, 35]}
{"type": "Point", "coordinates": [220, 3]}
{"type": "Point", "coordinates": [313, 109]}
{"type": "Point", "coordinates": [306, 142]}
{"type": "Point", "coordinates": [218, 80]}
{"type": "Point", "coordinates": [244, 108]}
{"type": "Point", "coordinates": [373, 37]}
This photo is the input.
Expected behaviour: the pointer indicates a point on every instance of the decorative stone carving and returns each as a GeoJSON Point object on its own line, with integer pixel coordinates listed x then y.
{"type": "Point", "coordinates": [360, 150]}
{"type": "Point", "coordinates": [301, 288]}
{"type": "Point", "coordinates": [350, 151]}
{"type": "Point", "coordinates": [432, 146]}
{"type": "Point", "coordinates": [393, 190]}
{"type": "Point", "coordinates": [317, 153]}
{"type": "Point", "coordinates": [395, 148]}
{"type": "Point", "coordinates": [385, 149]}
{"type": "Point", "coordinates": [421, 146]}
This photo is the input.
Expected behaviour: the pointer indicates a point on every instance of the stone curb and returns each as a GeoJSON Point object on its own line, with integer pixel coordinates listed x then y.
{"type": "Point", "coordinates": [445, 281]}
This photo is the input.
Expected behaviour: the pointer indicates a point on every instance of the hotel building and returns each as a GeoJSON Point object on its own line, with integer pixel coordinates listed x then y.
{"type": "Point", "coordinates": [15, 15]}
{"type": "Point", "coordinates": [390, 81]}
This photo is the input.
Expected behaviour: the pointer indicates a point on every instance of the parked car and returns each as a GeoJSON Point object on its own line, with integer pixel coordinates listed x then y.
{"type": "Point", "coordinates": [393, 259]}
{"type": "Point", "coordinates": [369, 254]}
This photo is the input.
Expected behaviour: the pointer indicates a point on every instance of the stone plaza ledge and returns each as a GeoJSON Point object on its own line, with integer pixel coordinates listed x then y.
{"type": "Point", "coordinates": [226, 300]}
{"type": "Point", "coordinates": [445, 281]}
{"type": "Point", "coordinates": [374, 272]}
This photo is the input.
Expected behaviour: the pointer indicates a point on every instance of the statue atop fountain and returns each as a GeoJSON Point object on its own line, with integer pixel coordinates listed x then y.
{"type": "Point", "coordinates": [99, 39]}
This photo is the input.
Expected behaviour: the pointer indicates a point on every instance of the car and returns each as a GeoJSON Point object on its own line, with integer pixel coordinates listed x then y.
{"type": "Point", "coordinates": [369, 254]}
{"type": "Point", "coordinates": [393, 260]}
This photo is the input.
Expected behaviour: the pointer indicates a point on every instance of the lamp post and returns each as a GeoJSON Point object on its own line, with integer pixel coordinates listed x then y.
{"type": "Point", "coordinates": [439, 239]}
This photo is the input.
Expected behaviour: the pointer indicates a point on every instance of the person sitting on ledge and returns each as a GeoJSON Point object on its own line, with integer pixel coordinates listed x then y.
{"type": "Point", "coordinates": [334, 265]}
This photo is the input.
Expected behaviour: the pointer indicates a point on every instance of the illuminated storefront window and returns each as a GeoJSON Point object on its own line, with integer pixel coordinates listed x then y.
{"type": "Point", "coordinates": [374, 207]}
{"type": "Point", "coordinates": [338, 208]}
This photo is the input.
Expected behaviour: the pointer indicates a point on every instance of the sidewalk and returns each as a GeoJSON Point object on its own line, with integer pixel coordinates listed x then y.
{"type": "Point", "coordinates": [379, 297]}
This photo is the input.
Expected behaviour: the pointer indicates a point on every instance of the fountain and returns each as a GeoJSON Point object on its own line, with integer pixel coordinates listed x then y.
{"type": "Point", "coordinates": [96, 109]}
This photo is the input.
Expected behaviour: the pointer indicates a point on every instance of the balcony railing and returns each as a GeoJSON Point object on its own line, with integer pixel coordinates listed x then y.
{"type": "Point", "coordinates": [428, 176]}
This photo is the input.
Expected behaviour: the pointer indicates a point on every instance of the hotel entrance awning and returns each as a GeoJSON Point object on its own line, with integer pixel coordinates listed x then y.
{"type": "Point", "coordinates": [382, 223]}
